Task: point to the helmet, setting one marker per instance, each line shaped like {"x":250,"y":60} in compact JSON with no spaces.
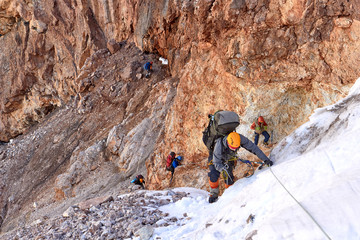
{"x":151,"y":62}
{"x":180,"y":158}
{"x":261,"y":119}
{"x":172,"y":154}
{"x":140,"y":176}
{"x":233,"y":140}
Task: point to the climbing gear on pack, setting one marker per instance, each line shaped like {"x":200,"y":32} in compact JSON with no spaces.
{"x":233,"y":140}
{"x":251,"y":170}
{"x":220,"y":124}
{"x":175,"y":163}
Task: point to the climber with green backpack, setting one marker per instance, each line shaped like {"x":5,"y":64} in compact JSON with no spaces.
{"x":223,"y":141}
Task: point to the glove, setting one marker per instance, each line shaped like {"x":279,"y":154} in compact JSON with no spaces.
{"x":268,"y":162}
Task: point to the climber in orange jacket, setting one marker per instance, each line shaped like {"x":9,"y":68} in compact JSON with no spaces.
{"x":260,"y":127}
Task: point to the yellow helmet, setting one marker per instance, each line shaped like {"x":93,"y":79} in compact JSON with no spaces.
{"x":233,"y":140}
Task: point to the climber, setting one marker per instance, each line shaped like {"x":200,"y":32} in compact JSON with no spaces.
{"x":139,"y":180}
{"x":169,"y":160}
{"x":148,"y":68}
{"x":260,"y":127}
{"x":172,"y":162}
{"x":223,"y":159}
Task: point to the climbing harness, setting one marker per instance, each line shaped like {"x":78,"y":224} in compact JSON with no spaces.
{"x":307,"y":212}
{"x":226,"y":174}
{"x":251,"y":170}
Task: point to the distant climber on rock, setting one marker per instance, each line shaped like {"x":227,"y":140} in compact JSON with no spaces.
{"x":260,"y":127}
{"x":172,"y":162}
{"x":148,"y":68}
{"x":223,"y":159}
{"x":139,"y":180}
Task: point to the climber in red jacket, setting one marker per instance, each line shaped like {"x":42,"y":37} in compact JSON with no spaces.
{"x":260,"y":127}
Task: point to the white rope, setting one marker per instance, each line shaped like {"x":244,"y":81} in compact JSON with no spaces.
{"x":307,"y":212}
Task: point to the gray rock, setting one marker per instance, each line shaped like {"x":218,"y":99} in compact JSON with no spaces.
{"x":145,"y":232}
{"x":136,"y":214}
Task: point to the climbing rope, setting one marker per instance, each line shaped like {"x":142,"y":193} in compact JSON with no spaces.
{"x":307,"y":212}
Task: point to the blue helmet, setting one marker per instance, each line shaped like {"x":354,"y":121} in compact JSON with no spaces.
{"x":179,"y":158}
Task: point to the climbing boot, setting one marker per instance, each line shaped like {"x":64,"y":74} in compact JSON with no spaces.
{"x":213,"y":198}
{"x":214,"y":194}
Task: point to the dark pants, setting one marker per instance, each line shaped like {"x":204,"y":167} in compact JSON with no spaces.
{"x":171,"y":169}
{"x":215,"y":174}
{"x":266,"y":135}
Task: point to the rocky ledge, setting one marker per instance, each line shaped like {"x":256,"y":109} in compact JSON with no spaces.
{"x":126,"y":216}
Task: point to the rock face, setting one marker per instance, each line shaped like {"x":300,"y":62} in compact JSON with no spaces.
{"x":90,"y":146}
{"x":271,"y":58}
{"x":77,"y":116}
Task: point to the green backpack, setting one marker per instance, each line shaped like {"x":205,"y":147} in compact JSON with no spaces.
{"x":220,"y":124}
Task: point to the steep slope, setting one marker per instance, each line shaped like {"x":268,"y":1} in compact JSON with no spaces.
{"x":91,"y":145}
{"x":67,"y":105}
{"x":312,"y":192}
{"x":317,"y":164}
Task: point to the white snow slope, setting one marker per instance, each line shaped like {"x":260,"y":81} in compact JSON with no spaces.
{"x":318,"y":164}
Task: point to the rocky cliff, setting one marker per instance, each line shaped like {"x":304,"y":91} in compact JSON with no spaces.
{"x":78,"y":117}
